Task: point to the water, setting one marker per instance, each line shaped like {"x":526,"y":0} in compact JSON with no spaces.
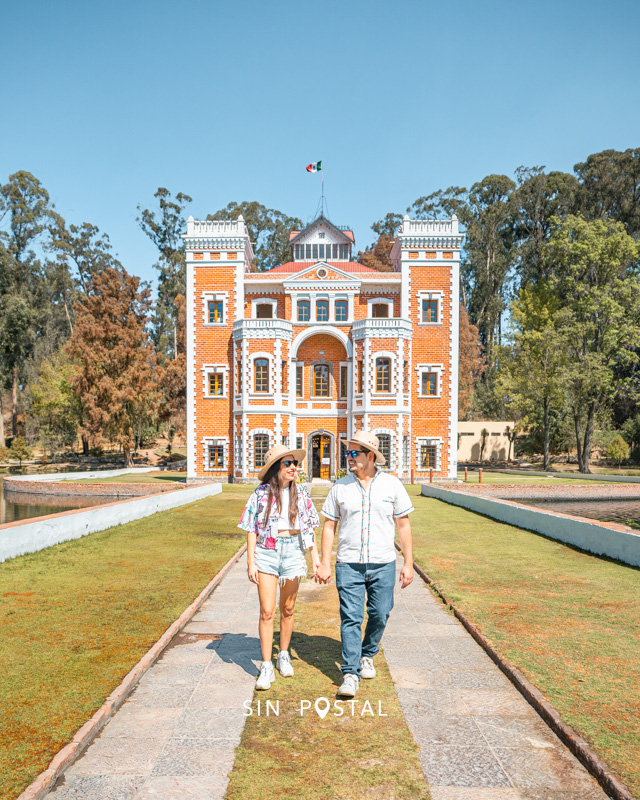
{"x":15,"y":506}
{"x":624,"y":512}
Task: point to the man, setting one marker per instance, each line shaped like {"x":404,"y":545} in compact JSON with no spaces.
{"x":365,"y":503}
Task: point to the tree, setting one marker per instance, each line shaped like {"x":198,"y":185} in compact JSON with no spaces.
{"x":484,"y":434}
{"x":172,"y":372}
{"x":269,"y":231}
{"x":596,"y":280}
{"x":19,"y":450}
{"x":54,"y":407}
{"x":618,"y":450}
{"x":165,"y":228}
{"x":115,"y":381}
{"x":376,"y":256}
{"x":470,"y":363}
{"x":610,"y":187}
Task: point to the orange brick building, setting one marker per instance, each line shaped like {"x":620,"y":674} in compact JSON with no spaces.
{"x":319,"y":347}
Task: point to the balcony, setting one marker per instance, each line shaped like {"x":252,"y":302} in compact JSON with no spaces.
{"x":381,"y":328}
{"x":262,"y":329}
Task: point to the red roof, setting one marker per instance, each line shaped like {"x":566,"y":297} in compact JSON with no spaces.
{"x":345,"y":266}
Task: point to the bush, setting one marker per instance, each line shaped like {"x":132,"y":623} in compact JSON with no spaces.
{"x":618,"y":450}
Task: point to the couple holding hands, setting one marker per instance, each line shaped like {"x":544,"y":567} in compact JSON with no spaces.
{"x":280,"y":520}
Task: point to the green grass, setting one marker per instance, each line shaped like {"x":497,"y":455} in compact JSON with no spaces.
{"x":77,"y":617}
{"x":569,"y":621}
{"x":499,"y":477}
{"x":144,"y":477}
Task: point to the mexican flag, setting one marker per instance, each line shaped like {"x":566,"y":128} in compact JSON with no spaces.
{"x":316,"y":167}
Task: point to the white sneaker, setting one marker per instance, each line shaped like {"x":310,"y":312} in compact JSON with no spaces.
{"x":367,"y":670}
{"x":349,"y":686}
{"x":283,"y":664}
{"x":266,"y":677}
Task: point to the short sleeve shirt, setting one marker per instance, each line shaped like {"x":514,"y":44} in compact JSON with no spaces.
{"x":367,"y":517}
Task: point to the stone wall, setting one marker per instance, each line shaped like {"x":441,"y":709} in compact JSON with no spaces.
{"x":69,"y":489}
{"x":536,"y":491}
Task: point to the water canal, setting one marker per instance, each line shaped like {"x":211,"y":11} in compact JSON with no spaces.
{"x":624,"y":512}
{"x":20,"y":505}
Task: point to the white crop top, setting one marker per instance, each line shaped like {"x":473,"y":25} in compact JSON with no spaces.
{"x":283,"y":522}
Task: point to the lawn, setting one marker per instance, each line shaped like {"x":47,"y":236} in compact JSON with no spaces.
{"x":499,"y":477}
{"x":78,"y":616}
{"x":143,"y":477}
{"x":568,"y":620}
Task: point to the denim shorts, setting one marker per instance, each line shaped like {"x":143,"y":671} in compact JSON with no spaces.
{"x":287,"y":561}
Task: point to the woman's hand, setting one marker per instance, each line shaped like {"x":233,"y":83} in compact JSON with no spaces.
{"x":254,"y":575}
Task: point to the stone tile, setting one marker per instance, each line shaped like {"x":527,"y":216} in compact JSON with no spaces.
{"x":438,"y":631}
{"x":455,"y":730}
{"x":96,"y":787}
{"x":207,"y":626}
{"x":433,"y":702}
{"x":466,"y":793}
{"x":210,"y":723}
{"x":544,"y":769}
{"x":175,"y":674}
{"x":420,"y":678}
{"x":486,"y":702}
{"x":183,"y":788}
{"x":524,"y":731}
{"x":461,"y":766}
{"x":479,"y":679}
{"x":231,"y":696}
{"x":154,"y":696}
{"x":223,"y":674}
{"x":426,"y":659}
{"x":124,"y":755}
{"x":595,"y":793}
{"x":141,"y":722}
{"x":195,"y":757}
{"x":185,"y":654}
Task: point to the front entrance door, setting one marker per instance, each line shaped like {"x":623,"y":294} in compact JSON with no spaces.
{"x":321,"y":457}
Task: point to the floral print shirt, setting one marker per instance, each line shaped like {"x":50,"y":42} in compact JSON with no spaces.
{"x":253,"y":517}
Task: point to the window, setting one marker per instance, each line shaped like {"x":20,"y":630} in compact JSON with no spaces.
{"x":215,"y":312}
{"x":298,"y":252}
{"x":321,"y":380}
{"x":380,"y":311}
{"x":343,"y":380}
{"x":405,"y":451}
{"x":264,"y":311}
{"x":260,"y":449}
{"x":343,"y":455}
{"x":304,"y":310}
{"x":314,"y":250}
{"x":405,"y":376}
{"x":383,"y":374}
{"x":341,"y":311}
{"x":429,"y":384}
{"x":261,"y":373}
{"x":216,"y":384}
{"x":344,"y":252}
{"x":322,"y":310}
{"x":360,"y":377}
{"x":298,"y":442}
{"x":335,"y":252}
{"x":239,"y":377}
{"x":216,"y":455}
{"x":429,"y":310}
{"x":299,"y":381}
{"x":384,"y":441}
{"x":427,"y":455}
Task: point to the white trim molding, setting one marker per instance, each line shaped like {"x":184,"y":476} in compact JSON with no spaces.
{"x":433,"y":441}
{"x":208,"y":369}
{"x":430,"y":295}
{"x":254,"y":432}
{"x":210,"y":297}
{"x":438,"y":369}
{"x":264,"y":301}
{"x":380,"y":301}
{"x":215,"y":441}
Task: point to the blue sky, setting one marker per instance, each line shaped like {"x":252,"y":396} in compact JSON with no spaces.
{"x":229,"y":101}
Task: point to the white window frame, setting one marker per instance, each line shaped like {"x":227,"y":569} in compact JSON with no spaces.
{"x":343,"y":397}
{"x":252,"y":433}
{"x":252,"y":375}
{"x":307,"y":299}
{"x":439,"y":370}
{"x":374,"y":357}
{"x":391,"y":464}
{"x":208,"y":297}
{"x":312,"y":368}
{"x":380,"y":301}
{"x":215,"y":440}
{"x":429,"y":440}
{"x":264,"y":301}
{"x":207,"y":369}
{"x":323,"y":298}
{"x":343,"y":298}
{"x":428,"y":295}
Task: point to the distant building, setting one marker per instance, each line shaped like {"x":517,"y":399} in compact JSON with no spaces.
{"x":319,"y":347}
{"x":496,"y":441}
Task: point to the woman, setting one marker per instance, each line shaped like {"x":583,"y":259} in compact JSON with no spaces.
{"x":279,"y":519}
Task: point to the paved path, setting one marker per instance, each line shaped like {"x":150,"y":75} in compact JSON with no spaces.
{"x":175,"y":738}
{"x":479,"y":739}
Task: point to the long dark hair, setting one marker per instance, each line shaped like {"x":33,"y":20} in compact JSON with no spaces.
{"x":271,"y":480}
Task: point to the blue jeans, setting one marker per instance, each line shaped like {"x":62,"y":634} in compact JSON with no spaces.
{"x":353,"y":582}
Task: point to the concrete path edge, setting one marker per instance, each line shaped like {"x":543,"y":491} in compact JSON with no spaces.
{"x":589,"y":759}
{"x":88,"y":732}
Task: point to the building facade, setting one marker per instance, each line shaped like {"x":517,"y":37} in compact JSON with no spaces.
{"x":317,"y":348}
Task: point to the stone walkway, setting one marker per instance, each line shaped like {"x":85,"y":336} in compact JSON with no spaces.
{"x":175,"y":738}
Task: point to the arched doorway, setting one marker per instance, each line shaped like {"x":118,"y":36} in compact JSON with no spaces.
{"x":321,"y":456}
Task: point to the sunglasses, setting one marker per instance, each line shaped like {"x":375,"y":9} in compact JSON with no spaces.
{"x":354,"y":453}
{"x":289,"y":461}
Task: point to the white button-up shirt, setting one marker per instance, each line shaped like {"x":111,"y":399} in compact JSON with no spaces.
{"x":367,"y":517}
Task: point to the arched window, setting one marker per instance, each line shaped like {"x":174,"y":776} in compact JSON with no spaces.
{"x":380,"y":310}
{"x":384,"y":441}
{"x":260,"y":448}
{"x":341,"y":311}
{"x":261,"y":375}
{"x":322,"y":310}
{"x":383,"y":374}
{"x":264,"y":311}
{"x":304,"y":310}
{"x":321,"y":380}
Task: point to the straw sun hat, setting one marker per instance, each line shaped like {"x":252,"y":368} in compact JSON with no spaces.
{"x":368,"y":440}
{"x":276,"y":453}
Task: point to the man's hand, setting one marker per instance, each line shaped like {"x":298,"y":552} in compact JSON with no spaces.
{"x":323,"y":573}
{"x":406,"y":575}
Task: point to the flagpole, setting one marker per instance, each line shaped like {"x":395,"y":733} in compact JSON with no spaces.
{"x":322,"y":199}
